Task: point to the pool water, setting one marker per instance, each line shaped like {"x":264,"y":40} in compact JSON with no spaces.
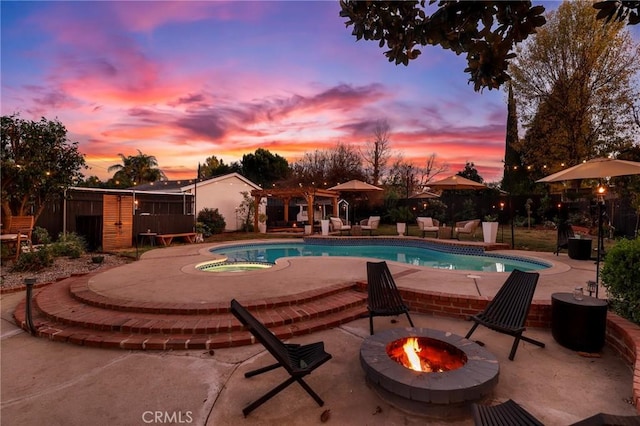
{"x":419,"y":256}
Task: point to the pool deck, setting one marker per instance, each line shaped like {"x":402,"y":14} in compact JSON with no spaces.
{"x":51,"y":382}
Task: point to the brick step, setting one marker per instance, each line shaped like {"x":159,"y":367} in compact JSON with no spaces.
{"x":61,"y":332}
{"x":80,"y":290}
{"x":56,"y":304}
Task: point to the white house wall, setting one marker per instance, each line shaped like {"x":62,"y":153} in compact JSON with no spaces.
{"x":225,"y":195}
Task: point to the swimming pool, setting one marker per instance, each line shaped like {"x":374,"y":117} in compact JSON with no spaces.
{"x":413,"y":252}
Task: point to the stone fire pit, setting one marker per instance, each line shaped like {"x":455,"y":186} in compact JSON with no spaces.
{"x":445,"y":394}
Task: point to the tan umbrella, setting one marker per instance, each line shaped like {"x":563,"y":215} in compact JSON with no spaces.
{"x":456,"y":182}
{"x":595,"y":169}
{"x":355,"y":185}
{"x":424,"y":195}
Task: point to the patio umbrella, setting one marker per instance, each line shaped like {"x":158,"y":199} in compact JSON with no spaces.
{"x":425,"y":195}
{"x":596,"y":168}
{"x":355,"y":186}
{"x":456,"y":182}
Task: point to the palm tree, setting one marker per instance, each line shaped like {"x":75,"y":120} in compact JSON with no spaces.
{"x":136,"y":170}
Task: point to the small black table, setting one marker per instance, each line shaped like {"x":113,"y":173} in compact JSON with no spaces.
{"x":151,"y":236}
{"x":578,"y":324}
{"x":579,"y":248}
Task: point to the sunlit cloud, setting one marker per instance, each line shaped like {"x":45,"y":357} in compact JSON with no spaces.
{"x":183,"y":81}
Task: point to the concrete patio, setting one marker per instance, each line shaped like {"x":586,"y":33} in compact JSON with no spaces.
{"x":47,"y":382}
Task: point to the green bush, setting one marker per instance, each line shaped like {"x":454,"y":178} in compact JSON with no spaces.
{"x":621,"y":278}
{"x":70,"y":244}
{"x":213,"y":221}
{"x":41,"y":236}
{"x":34,"y":261}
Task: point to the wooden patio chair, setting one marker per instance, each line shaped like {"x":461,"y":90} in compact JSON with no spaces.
{"x":565,"y":231}
{"x":507,"y":311}
{"x":508,"y":413}
{"x":384,"y":298}
{"x":298,"y":360}
{"x":21,"y":227}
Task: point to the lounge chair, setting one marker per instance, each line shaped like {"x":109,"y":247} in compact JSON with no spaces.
{"x":428,"y":224}
{"x":565,"y":231}
{"x":507,"y":311}
{"x":298,"y":360}
{"x":337,"y":225}
{"x":370,"y":224}
{"x":384,"y":298}
{"x":468,"y":227}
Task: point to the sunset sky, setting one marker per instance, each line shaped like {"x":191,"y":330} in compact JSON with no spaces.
{"x":186,"y":80}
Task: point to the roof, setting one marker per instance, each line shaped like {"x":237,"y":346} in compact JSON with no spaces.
{"x":187,"y":185}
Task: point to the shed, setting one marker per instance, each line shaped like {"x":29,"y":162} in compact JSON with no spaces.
{"x":112,"y":218}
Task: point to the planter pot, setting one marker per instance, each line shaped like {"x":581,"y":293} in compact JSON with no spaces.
{"x":324,"y":224}
{"x":262,"y":227}
{"x":489,"y":231}
{"x":401,"y":227}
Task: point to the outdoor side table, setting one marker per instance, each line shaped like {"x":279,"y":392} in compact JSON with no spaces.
{"x":445,"y":232}
{"x":578,"y":324}
{"x":579,"y":248}
{"x":356,"y":230}
{"x":151,"y":236}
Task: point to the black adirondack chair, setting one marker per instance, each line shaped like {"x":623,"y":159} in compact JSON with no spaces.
{"x":298,"y":360}
{"x":508,"y":413}
{"x":508,"y":310}
{"x":384,"y":298}
{"x":565,"y":231}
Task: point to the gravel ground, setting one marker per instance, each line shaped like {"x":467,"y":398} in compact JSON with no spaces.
{"x":62,"y":268}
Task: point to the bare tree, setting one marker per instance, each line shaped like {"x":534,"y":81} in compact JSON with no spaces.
{"x":432,"y":169}
{"x":377,"y":152}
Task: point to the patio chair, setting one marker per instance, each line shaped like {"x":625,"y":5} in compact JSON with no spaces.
{"x":18,"y":232}
{"x":384,"y":298}
{"x":602,"y":419}
{"x":507,"y":413}
{"x":565,"y":231}
{"x":298,"y":360}
{"x":468,"y":227}
{"x":507,"y":311}
{"x":370,"y":224}
{"x":337,"y":225}
{"x":428,"y":224}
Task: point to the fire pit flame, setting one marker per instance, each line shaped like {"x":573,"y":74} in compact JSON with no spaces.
{"x":412,"y":349}
{"x":426,"y":355}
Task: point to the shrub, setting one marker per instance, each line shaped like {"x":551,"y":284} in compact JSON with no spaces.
{"x":41,"y":236}
{"x":34,"y":261}
{"x":621,"y":278}
{"x":212,"y":220}
{"x":70,"y":244}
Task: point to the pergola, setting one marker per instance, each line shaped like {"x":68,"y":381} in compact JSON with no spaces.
{"x":310,"y":194}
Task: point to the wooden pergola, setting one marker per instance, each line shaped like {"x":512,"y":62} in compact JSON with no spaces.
{"x":309,"y":194}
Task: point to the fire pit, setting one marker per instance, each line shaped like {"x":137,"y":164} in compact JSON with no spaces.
{"x":428,"y":372}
